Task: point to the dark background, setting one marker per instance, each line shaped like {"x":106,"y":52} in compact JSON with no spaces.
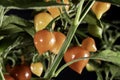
{"x":69,"y":74}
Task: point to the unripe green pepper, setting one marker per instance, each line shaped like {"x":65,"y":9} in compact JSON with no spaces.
{"x":89,"y":67}
{"x":95,"y":30}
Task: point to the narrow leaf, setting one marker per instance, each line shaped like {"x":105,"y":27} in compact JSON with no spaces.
{"x":19,"y":23}
{"x":15,"y":20}
{"x":10,"y":29}
{"x":110,"y":56}
{"x":24,"y":4}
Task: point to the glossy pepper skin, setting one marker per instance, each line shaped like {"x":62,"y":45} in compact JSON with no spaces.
{"x":99,"y":8}
{"x":89,"y":44}
{"x":36,"y":68}
{"x":44,"y":41}
{"x":8,"y":77}
{"x":60,"y":38}
{"x":83,"y":51}
{"x":41,"y":20}
{"x":75,"y":53}
{"x":56,"y":11}
{"x":21,"y":72}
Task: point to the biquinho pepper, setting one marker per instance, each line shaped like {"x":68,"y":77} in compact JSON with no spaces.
{"x":99,"y":8}
{"x":88,"y":45}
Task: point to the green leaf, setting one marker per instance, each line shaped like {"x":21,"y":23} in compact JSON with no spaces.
{"x":91,"y":18}
{"x":99,"y":76}
{"x":109,"y":56}
{"x":5,"y":43}
{"x":1,"y":37}
{"x":28,"y":4}
{"x":114,"y":70}
{"x":10,"y":29}
{"x":14,"y":24}
{"x":1,"y":74}
{"x":12,"y":19}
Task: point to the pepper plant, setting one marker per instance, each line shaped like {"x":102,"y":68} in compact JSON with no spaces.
{"x":73,"y":24}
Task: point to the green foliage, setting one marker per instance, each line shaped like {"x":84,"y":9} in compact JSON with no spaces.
{"x":13,"y":24}
{"x":29,"y":4}
{"x":109,"y":56}
{"x":16,"y":35}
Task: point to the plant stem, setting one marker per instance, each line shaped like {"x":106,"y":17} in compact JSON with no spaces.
{"x":76,"y":39}
{"x":50,"y":73}
{"x":69,"y":63}
{"x":1,"y":74}
{"x":58,"y":58}
{"x":1,"y":15}
{"x":76,"y":60}
{"x":16,"y":43}
{"x":78,"y":14}
{"x":86,"y":10}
